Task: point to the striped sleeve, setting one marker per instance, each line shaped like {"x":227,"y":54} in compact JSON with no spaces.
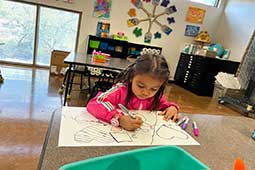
{"x":104,"y":105}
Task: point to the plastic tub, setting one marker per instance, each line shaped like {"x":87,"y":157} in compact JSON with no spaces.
{"x":153,"y":158}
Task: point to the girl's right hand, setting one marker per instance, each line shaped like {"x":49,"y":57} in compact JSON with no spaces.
{"x":130,"y":124}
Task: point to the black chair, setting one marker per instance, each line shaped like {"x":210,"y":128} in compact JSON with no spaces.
{"x":83,"y":71}
{"x":105,"y":81}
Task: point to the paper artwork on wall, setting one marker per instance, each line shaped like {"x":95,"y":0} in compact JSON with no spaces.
{"x":191,"y":30}
{"x":137,"y":32}
{"x":103,"y":29}
{"x":132,"y":12}
{"x":152,"y":17}
{"x":102,"y":8}
{"x":195,"y":15}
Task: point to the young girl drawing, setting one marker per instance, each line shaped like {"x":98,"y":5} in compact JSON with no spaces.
{"x":140,"y":87}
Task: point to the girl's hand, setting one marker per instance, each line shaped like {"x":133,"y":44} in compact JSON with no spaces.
{"x":130,"y":124}
{"x":170,"y":113}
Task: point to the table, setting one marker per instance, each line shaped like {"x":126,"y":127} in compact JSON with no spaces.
{"x":222,"y":139}
{"x":74,"y":59}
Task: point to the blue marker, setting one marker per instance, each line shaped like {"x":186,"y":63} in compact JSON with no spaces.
{"x":253,"y":134}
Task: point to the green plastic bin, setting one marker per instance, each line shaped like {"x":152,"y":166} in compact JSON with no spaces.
{"x":153,"y":158}
{"x":94,"y":44}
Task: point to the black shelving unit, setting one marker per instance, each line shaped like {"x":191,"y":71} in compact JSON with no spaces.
{"x":135,"y":50}
{"x":197,"y":73}
{"x":116,"y":48}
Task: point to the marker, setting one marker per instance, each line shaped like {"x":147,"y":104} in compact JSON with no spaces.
{"x":253,"y":134}
{"x":195,"y":128}
{"x":181,"y":120}
{"x":185,"y":124}
{"x":125,"y":110}
{"x":239,"y":164}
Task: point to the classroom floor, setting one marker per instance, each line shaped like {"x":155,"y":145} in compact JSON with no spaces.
{"x":28,"y":97}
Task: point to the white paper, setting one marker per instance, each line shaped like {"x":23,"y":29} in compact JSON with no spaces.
{"x":79,"y":128}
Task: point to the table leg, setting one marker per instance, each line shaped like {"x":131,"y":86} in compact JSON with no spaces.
{"x":67,"y":82}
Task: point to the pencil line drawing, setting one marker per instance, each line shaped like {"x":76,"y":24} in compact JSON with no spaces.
{"x":169,"y":133}
{"x":90,"y":133}
{"x":79,"y":128}
{"x":121,"y":136}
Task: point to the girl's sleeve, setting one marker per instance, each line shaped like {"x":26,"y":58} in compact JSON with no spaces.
{"x":165,"y":104}
{"x":104,"y":105}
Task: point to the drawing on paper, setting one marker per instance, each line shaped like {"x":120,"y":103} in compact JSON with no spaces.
{"x":79,"y":128}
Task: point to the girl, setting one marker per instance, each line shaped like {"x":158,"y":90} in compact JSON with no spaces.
{"x":140,"y":87}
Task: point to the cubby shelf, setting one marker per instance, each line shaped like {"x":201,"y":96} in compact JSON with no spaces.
{"x":116,"y":48}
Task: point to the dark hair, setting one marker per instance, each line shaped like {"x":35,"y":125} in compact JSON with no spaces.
{"x":153,"y":64}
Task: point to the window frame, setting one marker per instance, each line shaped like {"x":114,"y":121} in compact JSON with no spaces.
{"x":216,"y":3}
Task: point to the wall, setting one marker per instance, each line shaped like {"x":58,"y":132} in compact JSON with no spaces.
{"x":171,"y":44}
{"x":236,"y":27}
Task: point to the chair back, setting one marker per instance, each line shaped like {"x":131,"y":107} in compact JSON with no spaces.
{"x":108,"y":76}
{"x":106,"y":81}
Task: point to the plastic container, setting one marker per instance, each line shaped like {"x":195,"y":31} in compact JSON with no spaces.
{"x":153,"y":158}
{"x":218,"y":91}
{"x":94,"y":44}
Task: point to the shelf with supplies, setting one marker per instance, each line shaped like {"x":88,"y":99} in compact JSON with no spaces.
{"x":197,"y":73}
{"x":136,"y":49}
{"x":117,"y":48}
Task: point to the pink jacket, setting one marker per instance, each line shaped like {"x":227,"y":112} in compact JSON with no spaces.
{"x":104,"y":105}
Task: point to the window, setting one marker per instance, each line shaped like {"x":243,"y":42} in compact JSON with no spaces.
{"x":29,"y":32}
{"x":17,"y":27}
{"x":214,"y":3}
{"x":57,"y":30}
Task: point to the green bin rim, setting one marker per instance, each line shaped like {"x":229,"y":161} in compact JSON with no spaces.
{"x":129,"y":152}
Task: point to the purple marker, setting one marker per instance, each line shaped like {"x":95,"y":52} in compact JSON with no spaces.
{"x":195,"y":128}
{"x":185,"y":124}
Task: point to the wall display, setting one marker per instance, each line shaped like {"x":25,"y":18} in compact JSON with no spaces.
{"x":138,"y":32}
{"x":152,"y":17}
{"x":195,"y":15}
{"x":103,"y":29}
{"x":102,"y":8}
{"x":132,"y":12}
{"x":191,"y":30}
{"x":157,"y":35}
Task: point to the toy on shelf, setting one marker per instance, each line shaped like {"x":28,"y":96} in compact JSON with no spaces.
{"x":120,"y":36}
{"x":217,"y":48}
{"x":100,"y":57}
{"x":203,"y":37}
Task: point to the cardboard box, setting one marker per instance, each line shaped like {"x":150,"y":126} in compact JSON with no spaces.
{"x":57,"y":61}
